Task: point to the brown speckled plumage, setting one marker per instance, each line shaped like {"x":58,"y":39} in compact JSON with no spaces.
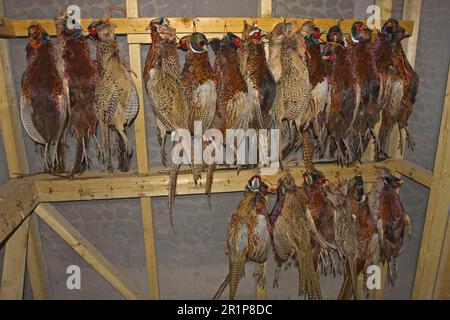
{"x":293,"y":230}
{"x":345,"y":228}
{"x":366,"y":234}
{"x":166,"y":92}
{"x":248,"y":235}
{"x":116,"y":99}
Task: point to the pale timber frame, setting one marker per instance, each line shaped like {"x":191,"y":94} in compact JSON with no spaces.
{"x":22,"y":199}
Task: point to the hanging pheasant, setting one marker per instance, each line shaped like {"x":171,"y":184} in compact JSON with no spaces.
{"x":116,"y":99}
{"x":163,"y":81}
{"x":293,"y":232}
{"x":318,"y":79}
{"x":363,"y":69}
{"x":294,"y":92}
{"x":237,"y":102}
{"x":366,"y":234}
{"x":399,"y":84}
{"x":198,"y":80}
{"x":322,"y":212}
{"x":393,"y":225}
{"x":199,"y":86}
{"x":343,"y":95}
{"x":255,"y":69}
{"x":248,"y":235}
{"x":80,"y":74}
{"x":166,"y":91}
{"x":45,"y":98}
{"x":345,"y":228}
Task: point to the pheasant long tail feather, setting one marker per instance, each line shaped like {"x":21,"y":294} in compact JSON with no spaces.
{"x":236,"y":268}
{"x":352,"y":274}
{"x":173,"y":176}
{"x":222,"y":287}
{"x":307,"y":151}
{"x":209,"y":181}
{"x":80,"y":161}
{"x":346,"y":290}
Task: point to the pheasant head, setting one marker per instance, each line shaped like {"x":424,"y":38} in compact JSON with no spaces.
{"x":37,"y":36}
{"x":232,"y":40}
{"x":63,"y":29}
{"x":252,"y":33}
{"x":356,"y":188}
{"x":393,"y":31}
{"x":257,"y":185}
{"x":360,"y":33}
{"x":102,"y":30}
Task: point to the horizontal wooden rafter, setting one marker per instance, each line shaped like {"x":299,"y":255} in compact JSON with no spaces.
{"x":18,"y":198}
{"x":414,"y":172}
{"x":184,"y":24}
{"x":7,"y":28}
{"x":113,"y":186}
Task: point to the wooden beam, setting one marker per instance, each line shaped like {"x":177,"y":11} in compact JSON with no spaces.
{"x":184,"y":24}
{"x":442,"y":290}
{"x":94,"y":186}
{"x":36,"y":265}
{"x":142,"y":160}
{"x":386,"y":13}
{"x":13,"y":274}
{"x":437,"y":211}
{"x":18,"y":198}
{"x":6,"y":28}
{"x":264,"y":10}
{"x":414,"y":172}
{"x":87,"y":251}
{"x":385,"y":7}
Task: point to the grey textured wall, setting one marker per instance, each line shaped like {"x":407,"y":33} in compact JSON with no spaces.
{"x":432,"y":61}
{"x":313,"y":8}
{"x":191,"y":260}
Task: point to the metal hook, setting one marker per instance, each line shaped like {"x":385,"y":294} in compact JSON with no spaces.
{"x":194,"y":24}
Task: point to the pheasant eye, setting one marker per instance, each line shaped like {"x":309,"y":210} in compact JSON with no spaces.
{"x":92,"y":31}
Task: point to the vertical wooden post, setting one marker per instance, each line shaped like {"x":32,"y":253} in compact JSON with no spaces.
{"x":142,"y":161}
{"x":378,"y":294}
{"x":437,"y":211}
{"x":386,"y":8}
{"x":442,"y":288}
{"x":14,"y":264}
{"x":264,"y":10}
{"x":16,"y":247}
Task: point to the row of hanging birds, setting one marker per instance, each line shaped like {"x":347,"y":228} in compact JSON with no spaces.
{"x":325,"y":227}
{"x":322,"y":95}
